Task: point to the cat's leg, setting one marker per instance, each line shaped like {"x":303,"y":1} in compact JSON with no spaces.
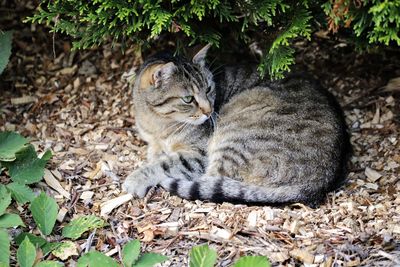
{"x":181,"y":166}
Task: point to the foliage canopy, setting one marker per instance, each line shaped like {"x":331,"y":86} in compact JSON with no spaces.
{"x":273,"y":24}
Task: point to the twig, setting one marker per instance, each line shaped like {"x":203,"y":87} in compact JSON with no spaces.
{"x":95,"y":187}
{"x":89,"y":241}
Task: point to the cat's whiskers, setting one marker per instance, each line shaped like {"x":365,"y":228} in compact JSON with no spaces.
{"x":180,"y":128}
{"x":173,"y":125}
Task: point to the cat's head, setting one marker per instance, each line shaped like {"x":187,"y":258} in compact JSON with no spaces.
{"x":178,"y":89}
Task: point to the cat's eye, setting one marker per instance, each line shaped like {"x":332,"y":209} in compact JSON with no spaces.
{"x":188,"y":99}
{"x":208,"y":89}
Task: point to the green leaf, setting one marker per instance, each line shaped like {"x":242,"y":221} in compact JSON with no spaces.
{"x":49,"y":247}
{"x":4,"y":247}
{"x":10,"y":220}
{"x":44,"y":211}
{"x":150,"y":259}
{"x":27,"y":168}
{"x":130,"y":253}
{"x":5,"y":199}
{"x":78,"y":226}
{"x":21,"y":193}
{"x":49,"y":264}
{"x":5,"y":49}
{"x":26,"y":253}
{"x":96,"y":259}
{"x":37,"y":241}
{"x":202,"y":256}
{"x":253,"y":261}
{"x":10,"y":142}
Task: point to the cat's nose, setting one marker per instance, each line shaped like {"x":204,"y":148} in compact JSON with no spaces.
{"x":206,"y":111}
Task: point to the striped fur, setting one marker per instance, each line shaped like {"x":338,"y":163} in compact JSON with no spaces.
{"x":272,"y":142}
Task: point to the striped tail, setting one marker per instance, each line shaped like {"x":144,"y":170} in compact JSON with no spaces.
{"x":221,"y":189}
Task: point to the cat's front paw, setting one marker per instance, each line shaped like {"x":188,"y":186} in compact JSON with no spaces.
{"x":137,"y":184}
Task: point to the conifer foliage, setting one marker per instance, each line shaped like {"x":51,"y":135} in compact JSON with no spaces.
{"x":273,"y":24}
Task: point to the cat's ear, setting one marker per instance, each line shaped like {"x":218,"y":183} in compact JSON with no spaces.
{"x":155,"y":74}
{"x":164,"y":72}
{"x":200,"y":57}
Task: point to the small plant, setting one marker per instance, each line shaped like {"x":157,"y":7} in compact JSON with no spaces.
{"x":5,"y":49}
{"x":24,"y":167}
{"x":130,"y":257}
{"x":203,"y":256}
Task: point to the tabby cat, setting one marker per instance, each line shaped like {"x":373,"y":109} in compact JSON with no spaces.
{"x":236,"y":137}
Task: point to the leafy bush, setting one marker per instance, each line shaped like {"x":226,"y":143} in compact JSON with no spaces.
{"x":274,"y":24}
{"x":372,"y":21}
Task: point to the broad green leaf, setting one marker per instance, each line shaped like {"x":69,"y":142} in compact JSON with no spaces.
{"x":96,"y":259}
{"x":10,"y":220}
{"x":37,"y":241}
{"x":130,"y":253}
{"x":49,"y":264}
{"x":150,"y":259}
{"x":49,"y":247}
{"x":10,"y":143}
{"x":5,"y":199}
{"x":253,"y":261}
{"x":65,"y":250}
{"x":5,"y":49}
{"x":26,"y":253}
{"x":202,"y":256}
{"x":78,"y":226}
{"x":44,"y":211}
{"x":27,"y":168}
{"x":4,"y":247}
{"x":21,"y":193}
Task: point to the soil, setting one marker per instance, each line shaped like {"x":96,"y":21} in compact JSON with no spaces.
{"x":78,"y":105}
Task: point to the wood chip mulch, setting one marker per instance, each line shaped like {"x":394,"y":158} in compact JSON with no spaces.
{"x":79,"y":106}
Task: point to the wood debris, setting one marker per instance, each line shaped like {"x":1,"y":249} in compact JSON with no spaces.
{"x":78,"y":106}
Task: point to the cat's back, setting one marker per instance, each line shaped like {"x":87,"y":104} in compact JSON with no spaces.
{"x":283,"y":133}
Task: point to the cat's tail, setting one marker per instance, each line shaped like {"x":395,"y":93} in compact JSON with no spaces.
{"x":221,"y":189}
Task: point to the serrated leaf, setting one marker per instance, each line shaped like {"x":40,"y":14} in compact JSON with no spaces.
{"x":78,"y":226}
{"x":65,"y":250}
{"x":10,"y":220}
{"x":5,"y":49}
{"x":253,"y":261}
{"x":37,"y":241}
{"x":26,"y":253}
{"x":10,"y":143}
{"x":21,"y":193}
{"x":44,"y":211}
{"x":49,"y":247}
{"x":5,"y":199}
{"x":96,"y":259}
{"x":4,"y":247}
{"x":27,"y":168}
{"x":49,"y":264}
{"x":202,"y":256}
{"x":150,"y":259}
{"x":130,"y":253}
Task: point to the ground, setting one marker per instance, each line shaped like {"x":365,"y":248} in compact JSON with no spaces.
{"x":78,"y":105}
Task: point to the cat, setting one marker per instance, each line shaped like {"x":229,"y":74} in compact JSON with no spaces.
{"x":234,"y":136}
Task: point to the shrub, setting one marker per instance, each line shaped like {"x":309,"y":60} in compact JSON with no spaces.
{"x":274,"y":24}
